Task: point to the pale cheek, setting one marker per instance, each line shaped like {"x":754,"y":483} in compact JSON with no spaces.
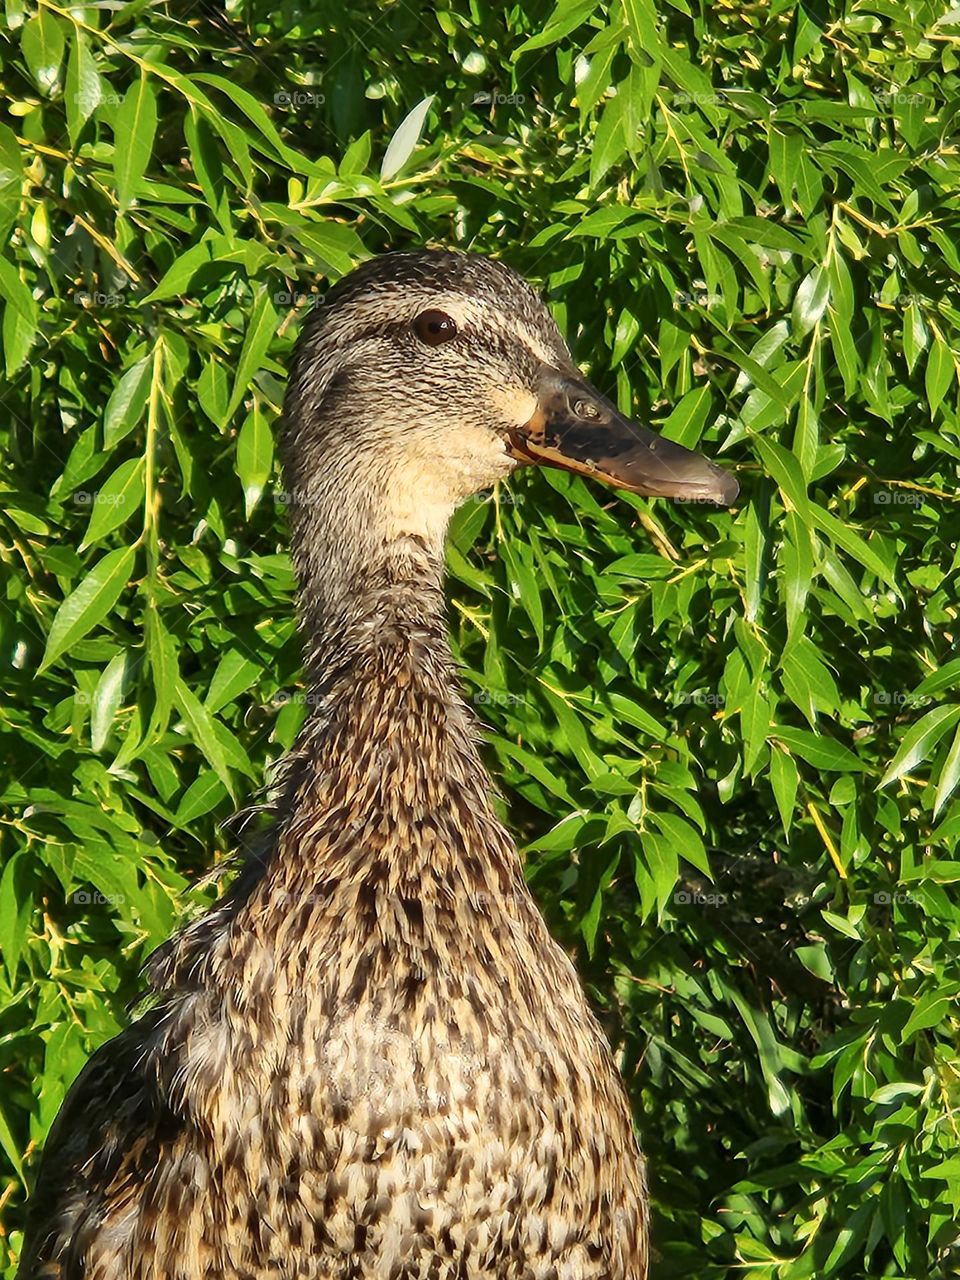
{"x":424,"y":491}
{"x":514,"y":406}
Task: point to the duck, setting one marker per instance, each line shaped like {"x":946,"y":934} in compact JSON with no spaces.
{"x":369,"y":1060}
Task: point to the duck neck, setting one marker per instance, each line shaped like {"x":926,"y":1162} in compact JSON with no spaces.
{"x":386,"y":779}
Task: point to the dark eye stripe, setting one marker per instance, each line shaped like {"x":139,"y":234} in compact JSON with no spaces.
{"x":509,"y":347}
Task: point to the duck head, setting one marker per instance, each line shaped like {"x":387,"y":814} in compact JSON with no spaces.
{"x":422,"y":378}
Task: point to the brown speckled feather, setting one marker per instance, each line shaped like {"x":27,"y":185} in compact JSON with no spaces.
{"x":369,"y":1061}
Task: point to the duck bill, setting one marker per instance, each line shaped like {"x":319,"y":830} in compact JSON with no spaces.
{"x":577,"y":429}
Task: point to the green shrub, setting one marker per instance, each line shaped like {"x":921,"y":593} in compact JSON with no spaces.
{"x":729,"y":741}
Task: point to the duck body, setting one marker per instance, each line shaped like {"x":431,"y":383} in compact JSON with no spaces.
{"x":369,"y":1060}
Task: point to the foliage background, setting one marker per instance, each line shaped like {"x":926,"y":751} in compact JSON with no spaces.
{"x":729,"y":741}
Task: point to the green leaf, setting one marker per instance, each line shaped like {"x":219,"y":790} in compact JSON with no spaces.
{"x":259,"y":335}
{"x":566,"y":17}
{"x":42,"y":43}
{"x":919,"y":741}
{"x":107,"y":698}
{"x":931,"y":1009}
{"x":90,"y":603}
{"x":817,"y":749}
{"x":401,"y":145}
{"x":116,"y":501}
{"x":124,"y":409}
{"x":941,"y":371}
{"x":202,"y":730}
{"x":685,"y":840}
{"x":134,"y":131}
{"x":254,"y":457}
{"x":164,"y":667}
{"x":84,"y":90}
{"x":784,"y":778}
{"x":203,"y":794}
{"x":851,"y":542}
{"x":811,"y":300}
{"x":235,"y":674}
{"x":19,"y":317}
{"x":16,"y":908}
{"x":949,"y":776}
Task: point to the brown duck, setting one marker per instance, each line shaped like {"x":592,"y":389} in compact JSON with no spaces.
{"x":370,"y":1061}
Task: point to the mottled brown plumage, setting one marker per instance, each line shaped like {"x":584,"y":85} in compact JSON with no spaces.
{"x":370,"y":1061}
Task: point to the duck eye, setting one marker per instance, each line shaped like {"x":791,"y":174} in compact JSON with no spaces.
{"x":434,"y":327}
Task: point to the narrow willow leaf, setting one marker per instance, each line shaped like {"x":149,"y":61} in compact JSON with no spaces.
{"x":42,"y":44}
{"x":203,"y":794}
{"x":235,"y":674}
{"x":685,"y":424}
{"x":939,"y":374}
{"x":127,"y":402}
{"x":919,"y":741}
{"x":401,"y":145}
{"x":685,"y":839}
{"x":10,"y":1145}
{"x":84,"y":91}
{"x":806,"y":440}
{"x":662,"y":863}
{"x":259,"y":335}
{"x":19,"y":317}
{"x":135,"y":130}
{"x":164,"y":668}
{"x":754,"y":548}
{"x":16,"y":906}
{"x":785,"y":469}
{"x":200,"y":723}
{"x":784,"y":778}
{"x":116,"y":501}
{"x":90,"y":603}
{"x":817,"y":749}
{"x":852,"y":543}
{"x":205,"y":156}
{"x":811,"y":300}
{"x":930,"y":1010}
{"x":949,"y":776}
{"x":755,"y":724}
{"x":254,"y":457}
{"x":566,"y":17}
{"x":845,"y":350}
{"x":107,"y":698}
{"x":842,"y":299}
{"x":915,"y":335}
